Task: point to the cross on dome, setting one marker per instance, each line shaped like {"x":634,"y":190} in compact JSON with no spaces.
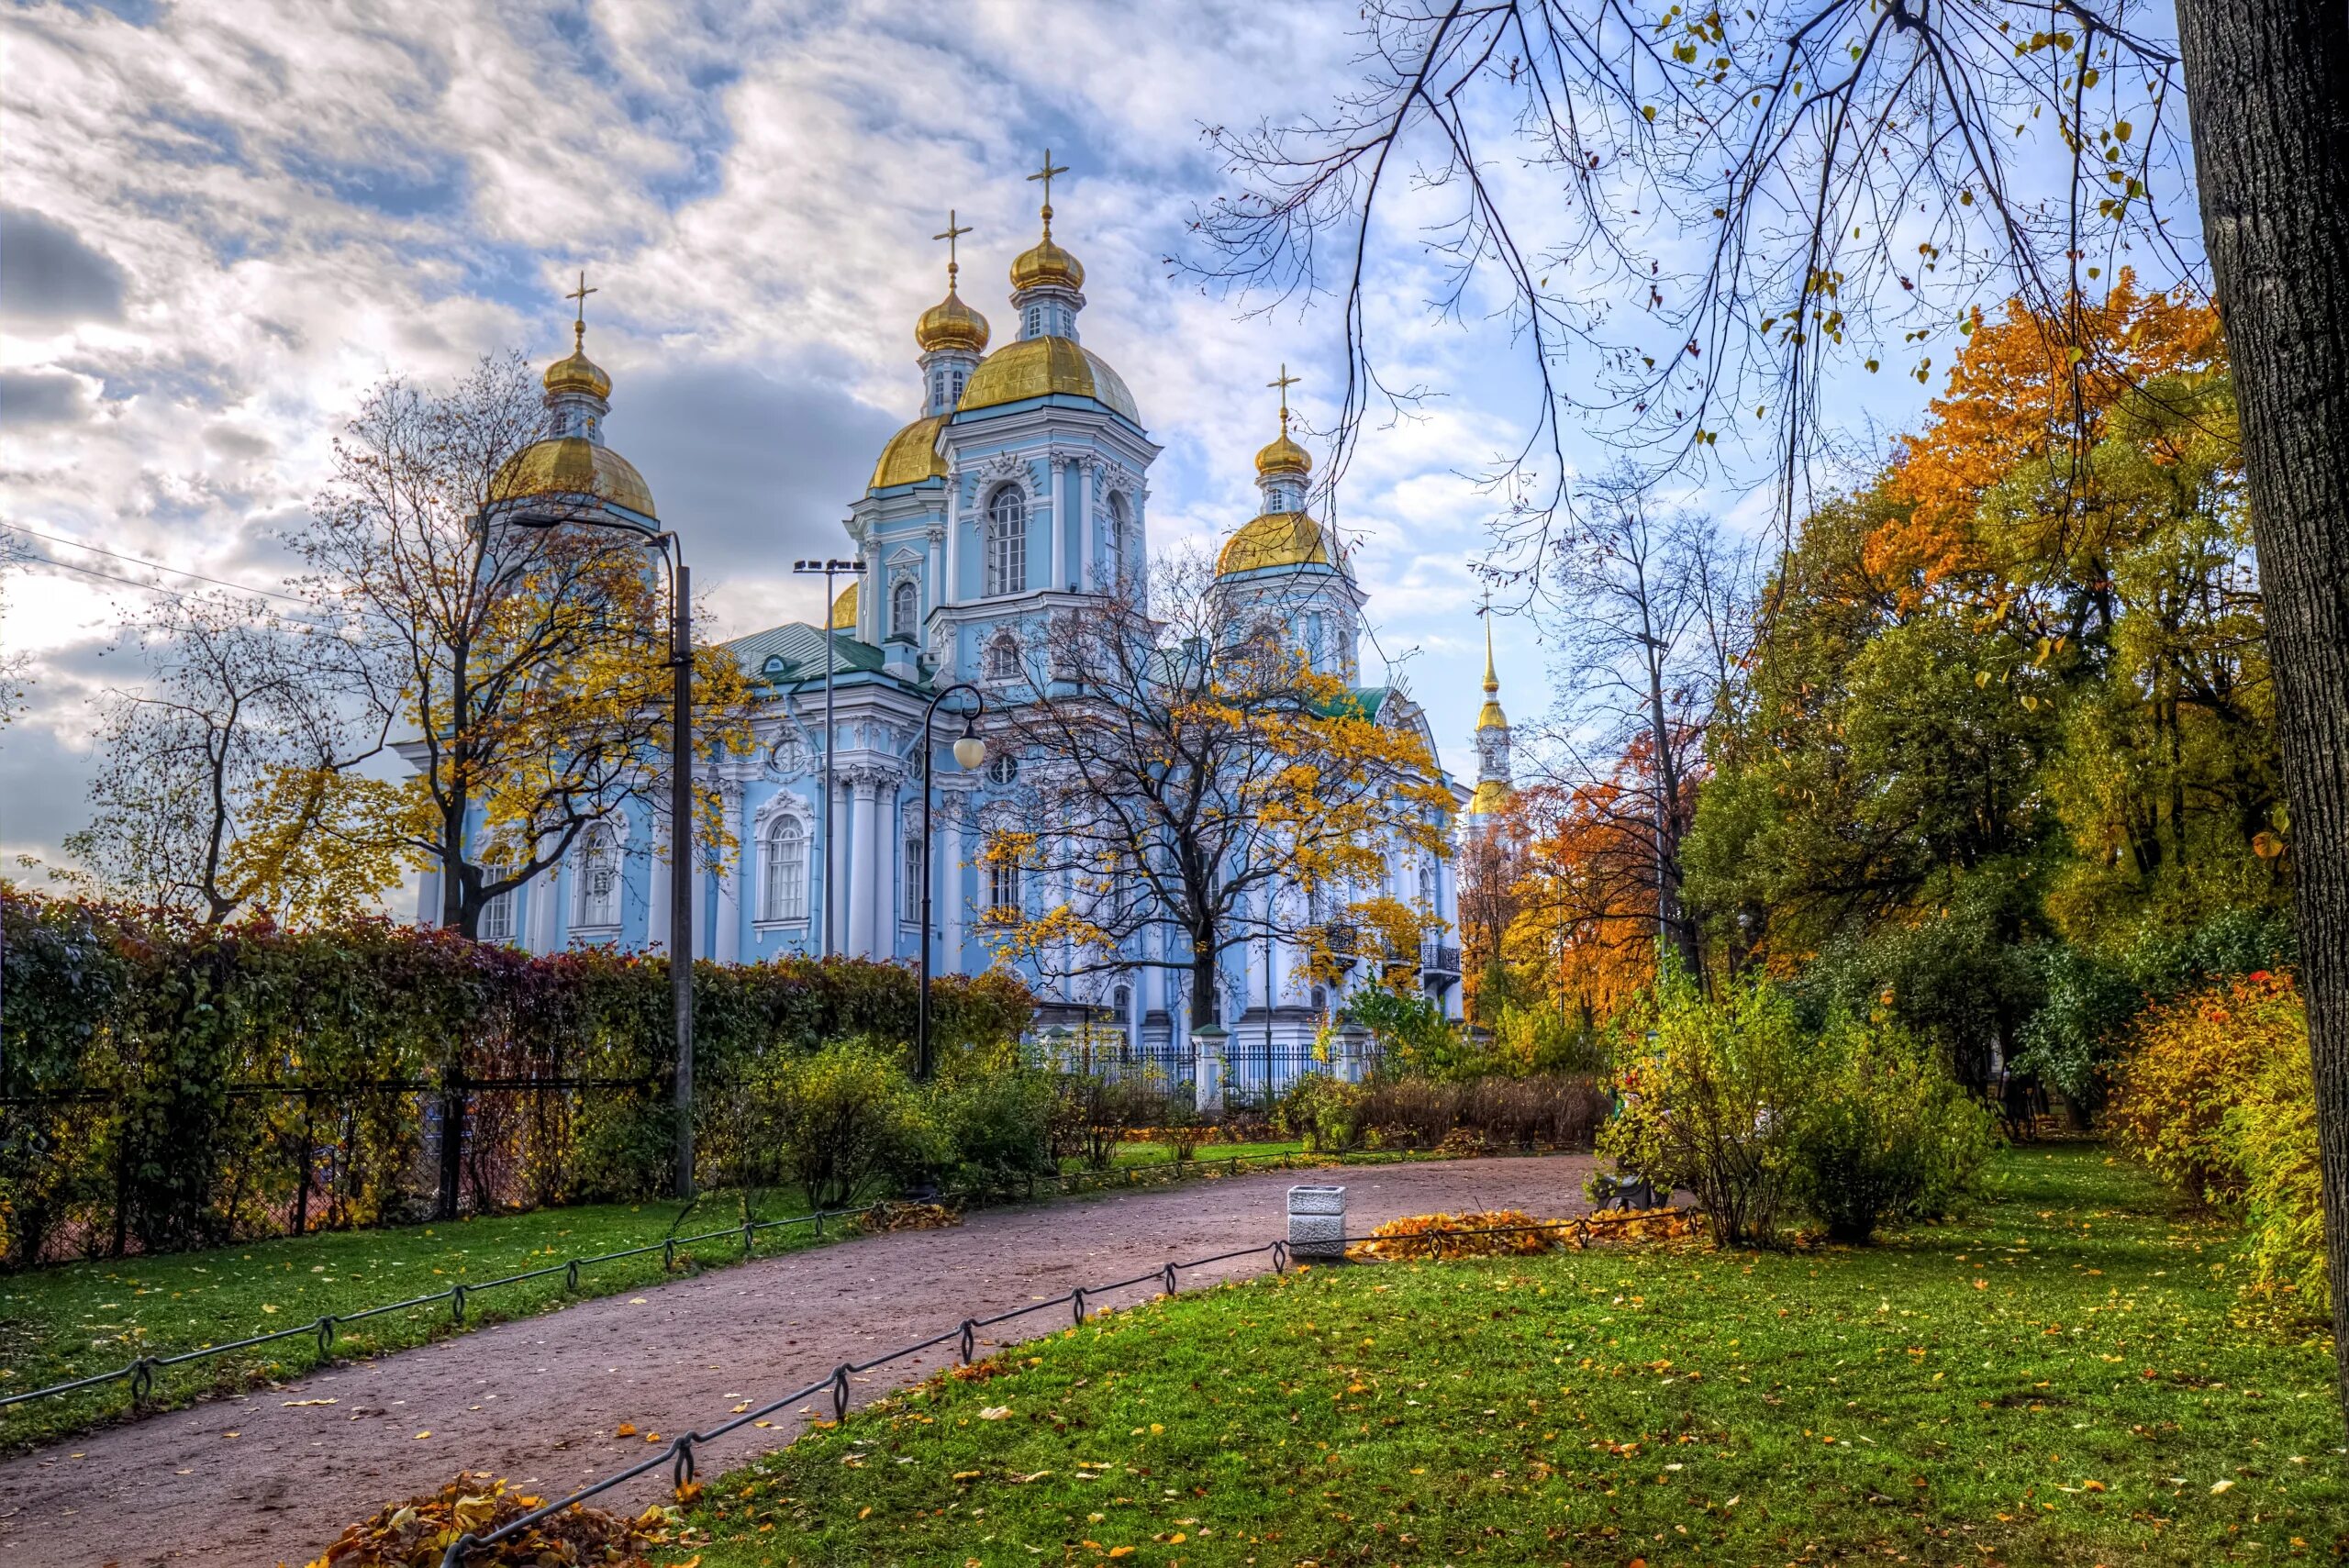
{"x":1045,"y":174}
{"x":952,"y":233}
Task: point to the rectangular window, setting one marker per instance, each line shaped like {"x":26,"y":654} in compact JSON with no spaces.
{"x":497,"y":919}
{"x":1003,"y":884}
{"x":911,"y":877}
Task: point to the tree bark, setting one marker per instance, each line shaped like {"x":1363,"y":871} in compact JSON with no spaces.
{"x":2268,"y":86}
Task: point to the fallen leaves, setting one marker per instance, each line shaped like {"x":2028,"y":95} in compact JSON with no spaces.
{"x":416,"y":1531}
{"x":889,"y":1216}
{"x":995,"y":1412}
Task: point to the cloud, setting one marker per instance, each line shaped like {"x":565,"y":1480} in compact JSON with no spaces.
{"x":39,"y":397}
{"x":49,"y":275}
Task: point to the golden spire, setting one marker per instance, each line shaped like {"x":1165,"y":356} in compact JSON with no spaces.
{"x":950,"y":324}
{"x":1491,"y":718}
{"x":1284,"y":455}
{"x":578,"y":372}
{"x":1046,"y":264}
{"x":1491,"y":681}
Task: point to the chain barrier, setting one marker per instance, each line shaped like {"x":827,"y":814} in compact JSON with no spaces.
{"x":681,"y":1454}
{"x":140,"y":1374}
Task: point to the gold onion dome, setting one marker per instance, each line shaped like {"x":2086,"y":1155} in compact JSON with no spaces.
{"x":950,"y":324}
{"x":844,"y":609}
{"x":1046,"y":265}
{"x":1038,"y":367}
{"x":1274,"y":540}
{"x":578,"y":372}
{"x":911,"y":456}
{"x":1284,"y":456}
{"x":573,"y":466}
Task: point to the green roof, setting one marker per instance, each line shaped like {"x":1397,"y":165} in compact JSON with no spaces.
{"x":794,"y":652}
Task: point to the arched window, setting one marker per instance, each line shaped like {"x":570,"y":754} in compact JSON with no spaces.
{"x":904,"y":608}
{"x":1427,"y":885}
{"x":912,"y":875}
{"x":1006,"y":541}
{"x":1002,"y":660}
{"x":1121,"y":518}
{"x":1035,"y":320}
{"x":1320,"y":1001}
{"x":598,"y":907}
{"x":783,"y":893}
{"x":1003,"y":884}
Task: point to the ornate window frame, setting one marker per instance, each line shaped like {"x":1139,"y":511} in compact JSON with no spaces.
{"x":779,"y":809}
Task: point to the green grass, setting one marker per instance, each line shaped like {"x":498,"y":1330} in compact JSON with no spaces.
{"x":2056,"y":1380}
{"x":74,"y":1319}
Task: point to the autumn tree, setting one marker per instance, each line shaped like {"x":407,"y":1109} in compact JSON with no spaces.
{"x":1188,"y":783}
{"x":1737,"y":200}
{"x":525,"y":667}
{"x":220,"y":787}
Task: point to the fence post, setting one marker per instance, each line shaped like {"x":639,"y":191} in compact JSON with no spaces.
{"x":452,"y":1135}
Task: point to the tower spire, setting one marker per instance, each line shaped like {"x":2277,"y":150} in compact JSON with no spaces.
{"x":1491,"y":681}
{"x":1494,"y":788}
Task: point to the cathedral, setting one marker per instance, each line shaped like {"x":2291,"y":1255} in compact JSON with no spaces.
{"x":1021,"y":487}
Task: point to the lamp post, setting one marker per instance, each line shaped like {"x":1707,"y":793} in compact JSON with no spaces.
{"x":681,"y":809}
{"x":970,"y":751}
{"x":828,"y":569}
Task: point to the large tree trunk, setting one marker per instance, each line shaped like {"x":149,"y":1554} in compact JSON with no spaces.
{"x":2268,"y":86}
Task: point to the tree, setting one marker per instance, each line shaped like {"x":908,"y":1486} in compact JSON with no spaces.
{"x":1656,"y":633}
{"x":1205,"y":786}
{"x":1491,"y":863}
{"x":1853,"y":164}
{"x":527,"y":666}
{"x":220,"y":788}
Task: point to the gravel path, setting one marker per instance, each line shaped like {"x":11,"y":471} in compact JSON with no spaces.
{"x":273,"y":1477}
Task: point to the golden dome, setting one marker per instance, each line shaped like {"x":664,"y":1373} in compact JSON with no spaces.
{"x":1276,"y":538}
{"x":1046,"y":266}
{"x":1284,"y":456}
{"x":1492,"y":795}
{"x":911,"y":456}
{"x":573,"y":466}
{"x":578,"y":372}
{"x":950,"y":324}
{"x":844,"y":609}
{"x":1038,"y":367}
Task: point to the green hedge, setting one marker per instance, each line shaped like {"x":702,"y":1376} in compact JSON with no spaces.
{"x":168,"y":1085}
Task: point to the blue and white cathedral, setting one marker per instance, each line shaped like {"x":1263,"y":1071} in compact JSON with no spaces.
{"x":1021,"y":488}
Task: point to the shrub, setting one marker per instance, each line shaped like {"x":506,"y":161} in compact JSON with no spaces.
{"x":848,"y":1117}
{"x":1885,"y":1132}
{"x":2217,"y":1095}
{"x":1553,"y":1111}
{"x":1707,"y":1102}
{"x":1413,"y":1037}
{"x":1098,"y":1109}
{"x":1323,"y":1111}
{"x":1543,"y":1040}
{"x":998,"y":1123}
{"x":1410,"y":1112}
{"x":2085,"y":1009}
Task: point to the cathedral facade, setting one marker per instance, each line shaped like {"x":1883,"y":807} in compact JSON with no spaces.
{"x":1020,"y":490}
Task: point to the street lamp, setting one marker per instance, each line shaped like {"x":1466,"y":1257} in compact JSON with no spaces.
{"x":681,"y":808}
{"x":828,"y":569}
{"x":970,"y":751}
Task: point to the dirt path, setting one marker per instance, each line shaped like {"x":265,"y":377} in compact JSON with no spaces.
{"x":274,"y":1476}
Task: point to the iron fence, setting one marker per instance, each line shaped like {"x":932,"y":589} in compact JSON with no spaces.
{"x":682,"y":1455}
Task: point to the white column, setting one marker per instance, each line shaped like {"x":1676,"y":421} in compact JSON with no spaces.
{"x":951,"y":590}
{"x":728,"y":948}
{"x":656,"y":925}
{"x":1060,"y":523}
{"x":937,"y":570}
{"x":946,"y":885}
{"x":864,"y":875}
{"x":1083,"y":525}
{"x":839,"y":900}
{"x":427,"y":899}
{"x":540,"y":894}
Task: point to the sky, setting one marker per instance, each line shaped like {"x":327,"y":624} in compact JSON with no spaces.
{"x":221,"y":224}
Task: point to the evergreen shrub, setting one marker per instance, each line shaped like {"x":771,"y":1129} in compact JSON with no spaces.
{"x":1885,"y":1132}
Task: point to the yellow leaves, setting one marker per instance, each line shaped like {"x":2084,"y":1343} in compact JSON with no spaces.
{"x":625,"y":1430}
{"x":995,"y":1412}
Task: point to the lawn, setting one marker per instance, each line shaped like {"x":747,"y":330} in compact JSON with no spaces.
{"x":75,"y":1320}
{"x":2055,"y":1380}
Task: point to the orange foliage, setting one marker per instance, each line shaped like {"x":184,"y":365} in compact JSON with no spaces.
{"x":2025,"y":385}
{"x":2188,"y":1062}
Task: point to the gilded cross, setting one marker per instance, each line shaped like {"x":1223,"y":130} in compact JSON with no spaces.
{"x":954,"y":232}
{"x":1285,"y":381}
{"x":1045,"y":174}
{"x":581,"y":293}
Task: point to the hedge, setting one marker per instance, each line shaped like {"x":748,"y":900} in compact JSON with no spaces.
{"x":167,"y":1085}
